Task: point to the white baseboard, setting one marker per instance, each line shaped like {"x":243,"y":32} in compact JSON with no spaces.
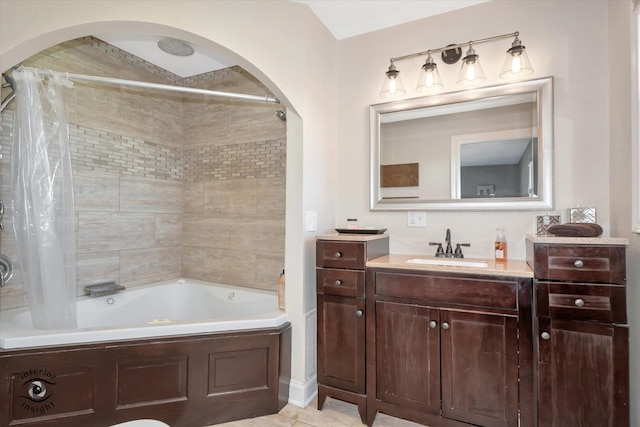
{"x":302,"y":394}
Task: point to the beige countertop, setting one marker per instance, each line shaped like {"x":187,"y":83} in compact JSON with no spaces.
{"x":511,"y":268}
{"x":578,"y":240}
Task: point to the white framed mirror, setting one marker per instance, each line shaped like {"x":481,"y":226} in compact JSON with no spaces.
{"x":485,"y":149}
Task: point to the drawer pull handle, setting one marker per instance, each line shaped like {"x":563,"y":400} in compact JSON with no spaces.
{"x":338,"y":282}
{"x":445,"y":325}
{"x":338,"y":254}
{"x":579,"y":302}
{"x":578,"y":263}
{"x":359,"y":313}
{"x":545,"y":335}
{"x":433,"y":324}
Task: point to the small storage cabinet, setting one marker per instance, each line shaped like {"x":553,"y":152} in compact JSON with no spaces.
{"x":581,"y":343}
{"x":340,"y":274}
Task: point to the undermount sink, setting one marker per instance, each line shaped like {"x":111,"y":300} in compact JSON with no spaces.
{"x":457,"y":262}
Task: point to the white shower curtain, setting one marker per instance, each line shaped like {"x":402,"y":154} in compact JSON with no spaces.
{"x":43,"y":210}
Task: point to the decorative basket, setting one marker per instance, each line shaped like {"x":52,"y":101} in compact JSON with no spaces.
{"x":544,"y":222}
{"x":581,"y":214}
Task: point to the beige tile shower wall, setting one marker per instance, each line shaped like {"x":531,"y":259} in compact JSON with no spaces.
{"x":234,"y":190}
{"x":164,"y":187}
{"x":127,"y":161}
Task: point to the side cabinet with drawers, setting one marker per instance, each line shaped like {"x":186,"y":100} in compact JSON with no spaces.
{"x":340,"y":275}
{"x":582,"y":360}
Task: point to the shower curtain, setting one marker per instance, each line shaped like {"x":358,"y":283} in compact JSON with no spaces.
{"x":43,"y":210}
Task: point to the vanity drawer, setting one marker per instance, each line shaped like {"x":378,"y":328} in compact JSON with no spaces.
{"x":340,"y":254}
{"x":580,"y":263}
{"x":347,"y":283}
{"x":582,"y":301}
{"x":450,"y":290}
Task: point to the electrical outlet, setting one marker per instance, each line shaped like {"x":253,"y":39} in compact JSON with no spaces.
{"x":417,"y":219}
{"x":311,"y":221}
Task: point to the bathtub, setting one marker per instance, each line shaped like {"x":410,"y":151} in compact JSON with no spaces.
{"x":184,"y":352}
{"x":175,"y":307}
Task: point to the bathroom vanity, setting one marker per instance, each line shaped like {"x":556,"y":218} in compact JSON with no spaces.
{"x":517,"y":343}
{"x":449,"y":345}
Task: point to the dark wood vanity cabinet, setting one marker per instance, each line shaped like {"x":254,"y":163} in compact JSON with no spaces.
{"x":340,"y":288}
{"x":581,"y":344}
{"x":445,"y":350}
{"x":461,"y":364}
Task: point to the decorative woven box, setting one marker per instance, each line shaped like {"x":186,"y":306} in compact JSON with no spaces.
{"x":544,"y":222}
{"x":581,"y":214}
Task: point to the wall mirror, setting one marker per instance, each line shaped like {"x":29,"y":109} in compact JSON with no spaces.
{"x":485,"y":149}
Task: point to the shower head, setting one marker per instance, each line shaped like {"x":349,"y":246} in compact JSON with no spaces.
{"x":281,"y":115}
{"x":175,"y":47}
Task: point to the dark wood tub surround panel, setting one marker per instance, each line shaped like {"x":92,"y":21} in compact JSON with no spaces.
{"x":184,"y":381}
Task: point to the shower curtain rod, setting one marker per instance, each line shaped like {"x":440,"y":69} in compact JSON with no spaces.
{"x":135,"y":83}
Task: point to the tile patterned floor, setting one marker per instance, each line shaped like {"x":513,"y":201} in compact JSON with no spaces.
{"x":335,"y":413}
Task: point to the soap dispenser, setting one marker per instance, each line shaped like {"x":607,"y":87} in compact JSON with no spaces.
{"x":500,"y":245}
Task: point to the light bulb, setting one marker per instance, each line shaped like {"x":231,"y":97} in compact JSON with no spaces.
{"x":428,"y":80}
{"x":471,"y":72}
{"x":516,"y":64}
{"x":392,"y":86}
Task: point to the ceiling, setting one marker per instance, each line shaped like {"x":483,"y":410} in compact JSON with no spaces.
{"x":343,"y":18}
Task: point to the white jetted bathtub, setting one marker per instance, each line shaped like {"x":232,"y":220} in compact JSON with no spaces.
{"x":178,"y":307}
{"x":186,"y":353}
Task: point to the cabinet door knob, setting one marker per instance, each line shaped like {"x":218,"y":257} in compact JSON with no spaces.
{"x":433,"y":324}
{"x":445,"y":325}
{"x":338,"y":254}
{"x":338,"y":282}
{"x":359,"y":313}
{"x":579,"y":302}
{"x":578,"y":263}
{"x":545,"y":335}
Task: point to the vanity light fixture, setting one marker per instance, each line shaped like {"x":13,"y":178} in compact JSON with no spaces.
{"x":517,"y":61}
{"x":392,"y":85}
{"x":516,"y":65}
{"x":429,"y":76}
{"x":471,"y":71}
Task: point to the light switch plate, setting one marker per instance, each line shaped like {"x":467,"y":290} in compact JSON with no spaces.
{"x":311,"y":221}
{"x":417,"y":219}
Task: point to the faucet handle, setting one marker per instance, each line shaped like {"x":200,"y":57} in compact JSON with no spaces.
{"x":458,"y":251}
{"x":439,"y":251}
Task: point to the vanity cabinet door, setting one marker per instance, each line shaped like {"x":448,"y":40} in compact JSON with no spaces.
{"x":479,"y":360}
{"x":341,"y":344}
{"x":408,"y":356}
{"x":583,"y":372}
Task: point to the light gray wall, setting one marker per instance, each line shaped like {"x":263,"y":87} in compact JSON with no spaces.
{"x":619,"y":20}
